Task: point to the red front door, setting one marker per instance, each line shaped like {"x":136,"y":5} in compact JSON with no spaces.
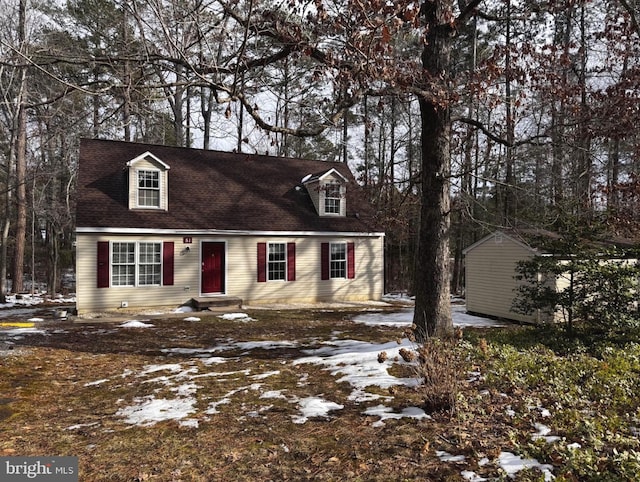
{"x":213,"y":268}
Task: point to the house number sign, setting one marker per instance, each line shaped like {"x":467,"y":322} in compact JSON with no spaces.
{"x":187,"y":240}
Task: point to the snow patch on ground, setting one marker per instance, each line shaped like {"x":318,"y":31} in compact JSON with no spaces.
{"x":387,"y":413}
{"x":136,"y":324}
{"x":242,"y":317}
{"x":149,"y":410}
{"x":513,"y":464}
{"x":404,"y":318}
{"x":314,"y":407}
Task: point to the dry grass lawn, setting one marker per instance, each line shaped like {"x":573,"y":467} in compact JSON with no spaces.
{"x":61,"y":393}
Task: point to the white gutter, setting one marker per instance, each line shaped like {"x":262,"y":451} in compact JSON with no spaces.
{"x":222,"y":232}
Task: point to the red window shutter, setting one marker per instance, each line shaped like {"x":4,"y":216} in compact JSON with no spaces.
{"x":167,"y":263}
{"x":103,"y":264}
{"x":324,"y":261}
{"x":262,"y":262}
{"x":351,"y":260}
{"x":291,"y":261}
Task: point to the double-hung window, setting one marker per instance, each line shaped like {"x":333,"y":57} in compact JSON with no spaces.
{"x":149,"y":264}
{"x":338,"y":260}
{"x":332,"y":198}
{"x":277,"y":262}
{"x":148,"y":189}
{"x":123,"y":264}
{"x":136,"y":264}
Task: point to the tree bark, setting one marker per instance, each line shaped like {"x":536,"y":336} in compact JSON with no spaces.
{"x":432,"y":315}
{"x":21,"y":164}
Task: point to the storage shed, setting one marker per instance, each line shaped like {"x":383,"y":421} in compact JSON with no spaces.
{"x":490,"y":269}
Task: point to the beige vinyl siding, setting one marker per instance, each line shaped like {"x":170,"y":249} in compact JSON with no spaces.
{"x":89,"y":298}
{"x":240,"y":276}
{"x":490,"y":267}
{"x":308,"y":287}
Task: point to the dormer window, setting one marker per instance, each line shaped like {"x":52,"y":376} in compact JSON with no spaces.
{"x":148,"y":189}
{"x":148,"y":181}
{"x":328,"y":192}
{"x":332,"y":198}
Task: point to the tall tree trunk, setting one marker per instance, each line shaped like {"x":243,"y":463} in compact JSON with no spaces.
{"x":126,"y":91}
{"x":508,"y":208}
{"x":367,"y":140}
{"x":584,"y":172}
{"x":613,"y":174}
{"x":207,"y":98}
{"x":4,"y":242}
{"x":562,"y":37}
{"x":21,"y":164}
{"x":432,"y":314}
{"x":345,"y":135}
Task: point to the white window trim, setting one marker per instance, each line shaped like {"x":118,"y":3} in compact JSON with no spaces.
{"x":112,"y":265}
{"x":340,"y":199}
{"x":286,"y":263}
{"x":345,"y":260}
{"x":160,"y":187}
{"x":136,"y":254}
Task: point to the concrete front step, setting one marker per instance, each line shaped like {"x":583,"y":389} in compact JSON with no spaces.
{"x":215,"y":303}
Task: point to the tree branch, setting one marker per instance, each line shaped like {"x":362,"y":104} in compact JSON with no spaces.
{"x":467,"y":12}
{"x":494,"y":137}
{"x":633,"y":14}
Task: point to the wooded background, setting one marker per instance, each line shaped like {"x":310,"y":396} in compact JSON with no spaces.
{"x":541,"y":99}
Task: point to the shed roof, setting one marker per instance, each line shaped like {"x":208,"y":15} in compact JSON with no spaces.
{"x":212,"y":190}
{"x":541,"y":241}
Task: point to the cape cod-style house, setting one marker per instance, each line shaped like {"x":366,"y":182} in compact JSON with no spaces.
{"x":165,"y":226}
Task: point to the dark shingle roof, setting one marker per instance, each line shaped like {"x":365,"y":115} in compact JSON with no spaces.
{"x":212,"y":190}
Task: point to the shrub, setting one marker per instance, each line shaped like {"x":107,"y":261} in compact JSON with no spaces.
{"x":596,"y":288}
{"x":440,"y":369}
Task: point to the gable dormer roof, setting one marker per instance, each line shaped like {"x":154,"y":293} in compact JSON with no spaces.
{"x":149,"y":157}
{"x":321,"y":176}
{"x":212,"y":190}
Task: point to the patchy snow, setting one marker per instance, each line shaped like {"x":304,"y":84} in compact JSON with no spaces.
{"x":183,"y":309}
{"x":386,"y":413}
{"x":149,"y":410}
{"x":21,"y":332}
{"x":405,"y":318}
{"x":96,"y":383}
{"x":314,"y":407}
{"x":513,"y":464}
{"x":30,"y":300}
{"x":447,"y":457}
{"x":243,"y":317}
{"x":543,"y":433}
{"x":136,"y":324}
{"x":471,"y":476}
{"x":353,"y":362}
